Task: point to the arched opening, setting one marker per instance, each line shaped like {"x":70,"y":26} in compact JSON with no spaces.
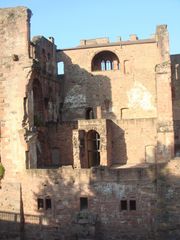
{"x":37,"y":103}
{"x":105,"y":61}
{"x":93,"y":148}
{"x":89,"y":113}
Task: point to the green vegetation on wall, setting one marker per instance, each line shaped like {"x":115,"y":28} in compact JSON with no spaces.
{"x":2,"y":171}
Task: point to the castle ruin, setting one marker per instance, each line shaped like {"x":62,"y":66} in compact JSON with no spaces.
{"x":90,"y":136}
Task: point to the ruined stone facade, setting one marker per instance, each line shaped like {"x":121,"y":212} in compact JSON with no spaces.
{"x":88,"y":153}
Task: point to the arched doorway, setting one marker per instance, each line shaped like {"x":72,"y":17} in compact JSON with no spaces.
{"x":93,"y":148}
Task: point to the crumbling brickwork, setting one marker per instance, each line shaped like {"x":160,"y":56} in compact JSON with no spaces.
{"x":88,"y":153}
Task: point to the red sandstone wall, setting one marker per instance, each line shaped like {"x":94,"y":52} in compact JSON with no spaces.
{"x":156,"y":193}
{"x":15,"y":66}
{"x":61,"y":137}
{"x":121,"y":89}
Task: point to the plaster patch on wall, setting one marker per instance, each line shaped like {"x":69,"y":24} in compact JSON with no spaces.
{"x":140,"y":97}
{"x":118,"y":190}
{"x":104,"y":188}
{"x":74,"y":98}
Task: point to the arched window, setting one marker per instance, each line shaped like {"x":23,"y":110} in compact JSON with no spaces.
{"x":105,"y":60}
{"x":103,"y":65}
{"x":108,"y":65}
{"x":93,"y":148}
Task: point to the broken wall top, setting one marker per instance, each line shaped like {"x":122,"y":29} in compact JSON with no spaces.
{"x":15,"y":31}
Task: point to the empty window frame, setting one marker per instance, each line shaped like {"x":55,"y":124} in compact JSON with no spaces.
{"x":44,"y":203}
{"x":128,"y":205}
{"x":108,"y":65}
{"x":123,"y":205}
{"x":82,"y":138}
{"x":107,"y":104}
{"x":132,"y":205}
{"x":89,"y":113}
{"x":40,"y":203}
{"x":103,"y":65}
{"x":48,"y":203}
{"x":60,"y":66}
{"x":83,"y":203}
{"x":93,"y":148}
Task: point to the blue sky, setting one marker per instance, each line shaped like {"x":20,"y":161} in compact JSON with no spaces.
{"x":68,"y":21}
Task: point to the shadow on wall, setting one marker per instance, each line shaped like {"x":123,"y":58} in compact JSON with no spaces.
{"x":70,"y":207}
{"x":83,"y":90}
{"x":63,"y":206}
{"x":88,"y":96}
{"x":175,"y":86}
{"x":118,"y":145}
{"x":84,"y":96}
{"x":168,"y":194}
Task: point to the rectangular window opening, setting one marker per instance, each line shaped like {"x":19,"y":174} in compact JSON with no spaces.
{"x":40,"y":203}
{"x":123,"y":205}
{"x":83,"y":203}
{"x":60,"y":67}
{"x":48,"y":203}
{"x":132,"y":205}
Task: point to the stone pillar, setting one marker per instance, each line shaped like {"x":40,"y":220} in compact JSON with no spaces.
{"x":76,"y":150}
{"x":98,"y":112}
{"x":165,"y":132}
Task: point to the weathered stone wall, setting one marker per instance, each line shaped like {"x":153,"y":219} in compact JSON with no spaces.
{"x":132,"y":140}
{"x":30,"y":93}
{"x":104,"y":189}
{"x":61,"y":138}
{"x":155,"y":190}
{"x":10,"y":220}
{"x":121,"y":141}
{"x":15,"y":67}
{"x":130,"y":95}
{"x":133,"y":116}
{"x":131,"y":92}
{"x":135,"y":90}
{"x":42,"y":105}
{"x":175,"y":68}
{"x":168,"y":209}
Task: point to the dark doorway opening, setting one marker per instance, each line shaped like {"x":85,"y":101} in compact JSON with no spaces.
{"x":89,"y":113}
{"x":83,"y":203}
{"x":93,"y":148}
